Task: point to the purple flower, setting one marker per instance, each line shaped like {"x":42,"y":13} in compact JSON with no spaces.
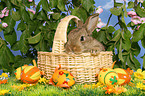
{"x":4,"y":25}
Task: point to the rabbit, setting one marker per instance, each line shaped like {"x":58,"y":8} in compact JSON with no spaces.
{"x":80,"y":39}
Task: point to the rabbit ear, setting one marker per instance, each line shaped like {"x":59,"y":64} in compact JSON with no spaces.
{"x":91,"y":23}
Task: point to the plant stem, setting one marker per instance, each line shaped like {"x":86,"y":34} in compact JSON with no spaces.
{"x":109,"y":20}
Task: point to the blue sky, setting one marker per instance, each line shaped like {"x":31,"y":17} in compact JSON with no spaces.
{"x":106,"y":5}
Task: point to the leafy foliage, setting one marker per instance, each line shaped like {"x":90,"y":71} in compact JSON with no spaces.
{"x":38,"y":29}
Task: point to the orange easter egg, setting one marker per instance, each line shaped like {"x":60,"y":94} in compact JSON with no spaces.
{"x":123,"y":76}
{"x":30,"y":74}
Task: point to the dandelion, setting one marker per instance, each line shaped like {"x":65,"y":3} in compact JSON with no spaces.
{"x":43,"y":80}
{"x":139,"y":85}
{"x":139,"y":74}
{"x":3,"y":92}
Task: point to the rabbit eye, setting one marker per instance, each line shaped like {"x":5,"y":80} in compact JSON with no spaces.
{"x":82,"y":38}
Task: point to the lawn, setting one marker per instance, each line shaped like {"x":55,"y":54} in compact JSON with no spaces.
{"x":77,"y":90}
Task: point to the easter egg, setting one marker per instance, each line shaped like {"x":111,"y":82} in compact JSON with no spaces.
{"x":123,"y":76}
{"x":108,"y":76}
{"x":30,"y":74}
{"x":18,"y":71}
{"x":63,"y":77}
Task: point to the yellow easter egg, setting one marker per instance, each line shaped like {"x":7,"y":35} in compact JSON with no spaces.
{"x":63,"y":77}
{"x":123,"y":76}
{"x":108,"y":76}
{"x":18,"y":71}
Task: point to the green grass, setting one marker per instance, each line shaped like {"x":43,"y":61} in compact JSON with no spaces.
{"x":76,"y":90}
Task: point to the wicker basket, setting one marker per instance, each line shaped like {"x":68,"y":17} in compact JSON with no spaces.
{"x":83,"y":67}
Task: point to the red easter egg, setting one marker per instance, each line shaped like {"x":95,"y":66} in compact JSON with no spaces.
{"x":30,"y":74}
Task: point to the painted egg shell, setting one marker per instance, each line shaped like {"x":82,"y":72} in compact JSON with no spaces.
{"x":108,"y":76}
{"x":31,"y":75}
{"x":123,"y":76}
{"x":18,"y":72}
{"x":63,"y":77}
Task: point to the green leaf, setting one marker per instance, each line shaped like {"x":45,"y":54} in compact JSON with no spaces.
{"x":14,"y":2}
{"x":42,"y":46}
{"x":15,"y":46}
{"x":21,"y":26}
{"x":126,"y":44}
{"x":125,"y":11}
{"x":135,"y":61}
{"x":76,"y":2}
{"x":45,"y":5}
{"x":143,"y":4}
{"x":110,"y":29}
{"x":116,"y":11}
{"x":100,"y":36}
{"x":53,"y":3}
{"x":11,"y":23}
{"x":42,"y":15}
{"x":130,"y":63}
{"x":116,"y":35}
{"x":20,"y":61}
{"x":87,"y":4}
{"x":118,"y":4}
{"x":138,"y":35}
{"x":140,"y":11}
{"x":120,"y":51}
{"x":135,"y":48}
{"x":11,"y":37}
{"x":61,"y":5}
{"x":23,"y":44}
{"x":130,"y":5}
{"x":56,"y":16}
{"x":35,"y":39}
{"x":15,"y":15}
{"x":144,"y":61}
{"x":6,"y":55}
{"x":143,"y":42}
{"x":80,"y":13}
{"x":24,"y":14}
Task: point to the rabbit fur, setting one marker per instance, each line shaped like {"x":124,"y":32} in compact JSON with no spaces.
{"x":80,"y":39}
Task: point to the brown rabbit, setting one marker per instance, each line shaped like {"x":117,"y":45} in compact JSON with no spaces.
{"x":80,"y":39}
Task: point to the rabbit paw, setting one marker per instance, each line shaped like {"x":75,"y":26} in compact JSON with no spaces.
{"x":95,"y":52}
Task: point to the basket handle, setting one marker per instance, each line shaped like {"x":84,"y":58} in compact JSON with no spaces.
{"x":60,"y":37}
